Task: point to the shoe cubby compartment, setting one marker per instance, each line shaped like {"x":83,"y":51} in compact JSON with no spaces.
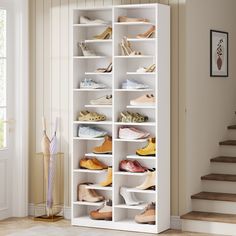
{"x":147,"y":93}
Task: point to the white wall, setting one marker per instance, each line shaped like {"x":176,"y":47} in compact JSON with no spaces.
{"x":210,"y":102}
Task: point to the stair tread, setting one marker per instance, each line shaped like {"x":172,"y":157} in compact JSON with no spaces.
{"x":229,"y":197}
{"x":220,"y":177}
{"x":232,"y":127}
{"x":224,"y":159}
{"x":228,"y":142}
{"x":209,"y":216}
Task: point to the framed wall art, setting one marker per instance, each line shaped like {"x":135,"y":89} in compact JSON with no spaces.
{"x":219,"y":54}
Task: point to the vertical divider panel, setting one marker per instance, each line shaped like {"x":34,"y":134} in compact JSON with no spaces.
{"x":113,"y":113}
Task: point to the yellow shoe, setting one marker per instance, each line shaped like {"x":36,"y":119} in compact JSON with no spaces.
{"x":89,"y":164}
{"x":149,"y":150}
{"x":99,"y":163}
{"x":105,"y":148}
{"x":108,"y":180}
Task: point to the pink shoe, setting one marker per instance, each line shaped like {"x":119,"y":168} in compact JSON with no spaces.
{"x":131,"y":166}
{"x":131,"y":133}
{"x":145,"y":100}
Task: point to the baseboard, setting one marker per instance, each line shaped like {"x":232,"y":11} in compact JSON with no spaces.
{"x":41,"y":209}
{"x":175,"y":222}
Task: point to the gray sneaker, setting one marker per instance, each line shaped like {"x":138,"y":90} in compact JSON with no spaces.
{"x":91,"y":84}
{"x":90,"y":132}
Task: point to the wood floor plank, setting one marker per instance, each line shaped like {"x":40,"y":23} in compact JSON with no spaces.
{"x":208,"y":216}
{"x":228,"y":197}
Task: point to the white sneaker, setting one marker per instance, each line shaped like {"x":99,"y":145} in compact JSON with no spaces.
{"x":90,"y":132}
{"x":91,"y":84}
{"x":87,"y":20}
{"x":105,"y":100}
{"x":132,"y":84}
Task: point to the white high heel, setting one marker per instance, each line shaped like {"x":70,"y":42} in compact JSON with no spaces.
{"x":87,"y":20}
{"x":86,"y":52}
{"x":129,"y":197}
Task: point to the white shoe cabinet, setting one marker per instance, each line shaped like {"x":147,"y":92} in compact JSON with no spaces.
{"x":154,"y":50}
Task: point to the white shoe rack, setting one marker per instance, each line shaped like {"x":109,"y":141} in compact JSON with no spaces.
{"x":154,"y":50}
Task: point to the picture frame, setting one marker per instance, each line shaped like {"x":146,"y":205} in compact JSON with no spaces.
{"x":219,"y":53}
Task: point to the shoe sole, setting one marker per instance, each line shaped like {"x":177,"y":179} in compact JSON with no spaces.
{"x":148,"y":155}
{"x":102,"y":152}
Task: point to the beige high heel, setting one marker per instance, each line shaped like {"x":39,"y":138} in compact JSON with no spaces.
{"x":126,"y":48}
{"x":128,"y":19}
{"x":149,"y":182}
{"x":147,"y":34}
{"x":85,"y":194}
{"x":105,"y":34}
{"x":105,"y":70}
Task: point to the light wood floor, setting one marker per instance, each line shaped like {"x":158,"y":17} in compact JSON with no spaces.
{"x":18,"y":224}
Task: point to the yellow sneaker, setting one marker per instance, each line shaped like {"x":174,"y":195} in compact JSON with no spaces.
{"x":149,"y":150}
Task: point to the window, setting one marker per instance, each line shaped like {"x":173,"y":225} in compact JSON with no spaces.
{"x":3,"y":77}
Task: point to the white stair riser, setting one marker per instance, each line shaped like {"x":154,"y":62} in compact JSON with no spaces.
{"x":227,"y":150}
{"x":231,"y":134}
{"x":219,"y":186}
{"x":208,"y":227}
{"x":214,"y":206}
{"x":223,"y":168}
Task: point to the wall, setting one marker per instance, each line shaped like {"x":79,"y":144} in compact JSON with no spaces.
{"x":210,"y":102}
{"x":50,"y":74}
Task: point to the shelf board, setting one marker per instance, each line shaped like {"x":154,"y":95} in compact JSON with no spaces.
{"x":98,"y":41}
{"x":130,"y":173}
{"x":98,"y":155}
{"x":98,"y":187}
{"x":131,"y":140}
{"x":89,"y":171}
{"x":137,"y":207}
{"x":136,"y":124}
{"x":140,"y":106}
{"x":138,"y":73}
{"x":134,"y":23}
{"x":91,"y":90}
{"x":133,"y":90}
{"x":88,"y":203}
{"x":94,"y":122}
{"x":97,"y":73}
{"x":135,"y":190}
{"x":141,"y":157}
{"x":98,"y":106}
{"x":89,"y":139}
{"x":91,"y":25}
{"x":141,"y":39}
{"x":137,"y":56}
{"x":89,"y":57}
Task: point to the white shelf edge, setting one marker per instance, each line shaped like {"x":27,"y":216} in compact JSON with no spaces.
{"x":137,"y":73}
{"x":140,"y":107}
{"x":93,"y":122}
{"x":88,"y":139}
{"x":136,"y":124}
{"x":135,"y":190}
{"x":137,"y":207}
{"x":141,"y":157}
{"x":131,"y":140}
{"x":88,"y":203}
{"x":97,"y":73}
{"x":138,"y":56}
{"x":91,"y":25}
{"x":89,"y":171}
{"x":91,"y":90}
{"x":98,"y":155}
{"x":89,"y":57}
{"x":98,"y":187}
{"x":98,"y":106}
{"x":98,"y":40}
{"x":141,"y":39}
{"x":130,"y":173}
{"x":134,"y":23}
{"x":133,"y":90}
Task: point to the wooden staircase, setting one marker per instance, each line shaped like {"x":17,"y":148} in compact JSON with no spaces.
{"x":214,"y":210}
